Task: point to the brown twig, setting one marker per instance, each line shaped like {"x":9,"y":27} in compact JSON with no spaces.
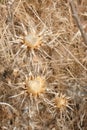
{"x":76,"y":17}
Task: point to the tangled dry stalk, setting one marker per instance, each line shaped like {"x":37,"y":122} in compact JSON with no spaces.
{"x":43,"y":65}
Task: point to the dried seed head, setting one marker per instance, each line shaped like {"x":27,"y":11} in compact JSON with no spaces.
{"x":32,"y":41}
{"x":62,"y":102}
{"x":36,"y":85}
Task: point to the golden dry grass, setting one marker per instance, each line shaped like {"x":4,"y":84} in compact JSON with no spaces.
{"x":61,"y":59}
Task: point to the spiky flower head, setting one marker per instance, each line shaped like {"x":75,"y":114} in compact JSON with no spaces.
{"x":62,"y":102}
{"x":36,"y":85}
{"x":32,"y":41}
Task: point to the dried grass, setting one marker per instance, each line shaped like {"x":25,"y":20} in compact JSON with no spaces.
{"x":62,"y":59}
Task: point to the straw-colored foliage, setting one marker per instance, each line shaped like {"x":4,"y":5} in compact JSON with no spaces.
{"x":43,"y":65}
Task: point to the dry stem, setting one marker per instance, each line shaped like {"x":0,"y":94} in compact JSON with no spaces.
{"x":76,"y":17}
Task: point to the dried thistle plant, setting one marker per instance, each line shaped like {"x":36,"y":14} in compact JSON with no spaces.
{"x":32,"y":41}
{"x":45,"y":68}
{"x":62,"y":102}
{"x":36,"y":85}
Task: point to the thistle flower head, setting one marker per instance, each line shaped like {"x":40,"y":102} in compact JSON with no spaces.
{"x":32,"y":41}
{"x":62,"y":102}
{"x":36,"y":85}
